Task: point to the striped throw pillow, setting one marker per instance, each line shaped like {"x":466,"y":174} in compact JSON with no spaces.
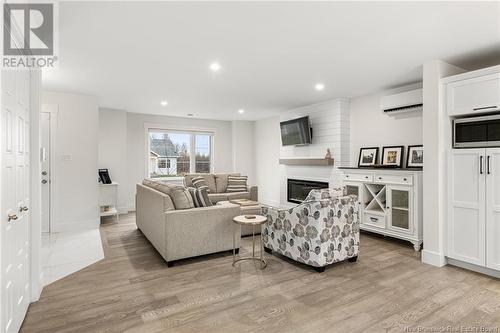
{"x":237,"y":184}
{"x":200,"y":183}
{"x":200,"y":197}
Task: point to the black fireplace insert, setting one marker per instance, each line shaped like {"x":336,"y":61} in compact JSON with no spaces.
{"x":297,"y":189}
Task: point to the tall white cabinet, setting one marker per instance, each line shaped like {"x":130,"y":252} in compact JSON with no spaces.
{"x":474,"y":207}
{"x":472,"y":231}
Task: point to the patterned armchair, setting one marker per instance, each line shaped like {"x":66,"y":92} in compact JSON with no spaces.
{"x":320,"y":231}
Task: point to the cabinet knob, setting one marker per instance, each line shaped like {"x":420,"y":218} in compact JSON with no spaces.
{"x":346,"y":176}
{"x":380,"y":178}
{"x":405,"y":179}
{"x":11,"y":217}
{"x":23,"y":209}
{"x":366,"y":177}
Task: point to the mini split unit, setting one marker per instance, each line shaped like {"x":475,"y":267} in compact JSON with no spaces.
{"x":408,"y":101}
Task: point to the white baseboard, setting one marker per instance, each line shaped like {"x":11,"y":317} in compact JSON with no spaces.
{"x":76,"y":225}
{"x":475,"y":268}
{"x":433,"y":258}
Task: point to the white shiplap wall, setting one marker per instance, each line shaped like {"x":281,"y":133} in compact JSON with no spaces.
{"x":330,"y":123}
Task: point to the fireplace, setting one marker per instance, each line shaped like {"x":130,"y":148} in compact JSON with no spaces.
{"x":297,"y":189}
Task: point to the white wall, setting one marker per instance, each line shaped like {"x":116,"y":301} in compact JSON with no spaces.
{"x":267,"y":151}
{"x":136,"y":145}
{"x":243,"y":133}
{"x":112,"y":153}
{"x":434,"y":173}
{"x":74,"y":175}
{"x":370,"y":127}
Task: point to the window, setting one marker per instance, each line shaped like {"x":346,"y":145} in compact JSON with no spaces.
{"x":175,"y":153}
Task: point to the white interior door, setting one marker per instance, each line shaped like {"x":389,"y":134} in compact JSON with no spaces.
{"x":15,"y":195}
{"x":45,"y":169}
{"x":466,"y":215}
{"x":493,"y":208}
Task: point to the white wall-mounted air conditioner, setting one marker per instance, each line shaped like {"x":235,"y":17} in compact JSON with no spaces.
{"x":408,"y":101}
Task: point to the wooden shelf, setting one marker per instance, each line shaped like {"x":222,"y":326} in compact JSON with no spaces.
{"x":307,"y":161}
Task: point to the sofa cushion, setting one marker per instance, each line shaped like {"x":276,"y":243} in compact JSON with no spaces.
{"x":181,"y":197}
{"x":221,"y":181}
{"x":200,"y":197}
{"x":200,"y":183}
{"x":238,"y":195}
{"x":236,"y":184}
{"x":209,"y":178}
{"x":216,"y":197}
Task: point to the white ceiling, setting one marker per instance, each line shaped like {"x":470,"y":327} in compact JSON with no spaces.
{"x":132,"y":55}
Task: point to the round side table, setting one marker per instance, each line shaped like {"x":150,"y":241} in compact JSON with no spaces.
{"x":257,"y":221}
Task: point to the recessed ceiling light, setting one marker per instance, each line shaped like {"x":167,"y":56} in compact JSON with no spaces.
{"x":164,"y":103}
{"x":215,"y":67}
{"x":241,"y":111}
{"x":319,"y":86}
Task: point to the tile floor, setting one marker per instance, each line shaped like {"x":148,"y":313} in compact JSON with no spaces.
{"x":67,"y":252}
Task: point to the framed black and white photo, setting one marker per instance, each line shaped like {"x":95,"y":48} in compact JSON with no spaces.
{"x":368,"y":157}
{"x":392,"y":156}
{"x":415,"y":157}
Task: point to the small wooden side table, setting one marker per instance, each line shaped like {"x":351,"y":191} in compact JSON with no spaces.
{"x":257,"y":221}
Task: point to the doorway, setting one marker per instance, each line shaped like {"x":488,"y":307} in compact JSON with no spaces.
{"x":48,"y":122}
{"x":45,"y":169}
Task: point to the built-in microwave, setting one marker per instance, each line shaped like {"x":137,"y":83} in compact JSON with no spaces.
{"x":481,"y":131}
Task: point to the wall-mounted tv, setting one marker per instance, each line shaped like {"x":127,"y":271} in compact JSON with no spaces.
{"x":295,"y":132}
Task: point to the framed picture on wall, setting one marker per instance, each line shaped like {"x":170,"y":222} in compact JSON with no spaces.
{"x":368,"y":157}
{"x":415,"y":158}
{"x":392,"y":156}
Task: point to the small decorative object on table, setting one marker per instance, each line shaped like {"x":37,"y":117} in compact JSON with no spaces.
{"x":415,"y":157}
{"x":368,"y":157}
{"x":249,"y":217}
{"x":328,"y":154}
{"x":392,"y":156}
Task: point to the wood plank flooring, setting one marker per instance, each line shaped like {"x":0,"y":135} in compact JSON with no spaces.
{"x":387,"y":290}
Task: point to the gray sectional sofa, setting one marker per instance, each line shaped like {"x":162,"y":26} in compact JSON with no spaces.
{"x":165,"y":215}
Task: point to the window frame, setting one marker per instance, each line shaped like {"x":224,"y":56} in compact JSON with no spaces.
{"x":159,"y":128}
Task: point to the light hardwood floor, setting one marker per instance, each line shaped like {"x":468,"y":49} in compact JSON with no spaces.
{"x":388,"y":289}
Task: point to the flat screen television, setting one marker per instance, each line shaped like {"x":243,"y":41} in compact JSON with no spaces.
{"x":295,"y":132}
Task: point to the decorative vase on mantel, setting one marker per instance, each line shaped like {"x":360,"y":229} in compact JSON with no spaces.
{"x":328,"y":155}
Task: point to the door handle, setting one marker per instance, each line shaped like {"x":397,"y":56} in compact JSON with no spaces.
{"x":481,"y":165}
{"x":11,"y":217}
{"x":23,"y":209}
{"x":488,"y":165}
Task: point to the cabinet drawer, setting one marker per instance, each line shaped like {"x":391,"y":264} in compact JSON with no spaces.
{"x":374,"y":220}
{"x":476,"y":95}
{"x":394,"y":179}
{"x":360,"y":177}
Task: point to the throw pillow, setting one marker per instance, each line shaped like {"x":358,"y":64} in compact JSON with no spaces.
{"x":181,"y":197}
{"x":237,"y":184}
{"x":200,"y":197}
{"x":200,"y":183}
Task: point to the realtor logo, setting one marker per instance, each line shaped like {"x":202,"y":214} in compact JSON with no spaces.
{"x":29,"y":35}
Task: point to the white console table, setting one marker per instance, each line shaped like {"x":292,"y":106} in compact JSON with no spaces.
{"x":108,"y":200}
{"x":390,"y":201}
